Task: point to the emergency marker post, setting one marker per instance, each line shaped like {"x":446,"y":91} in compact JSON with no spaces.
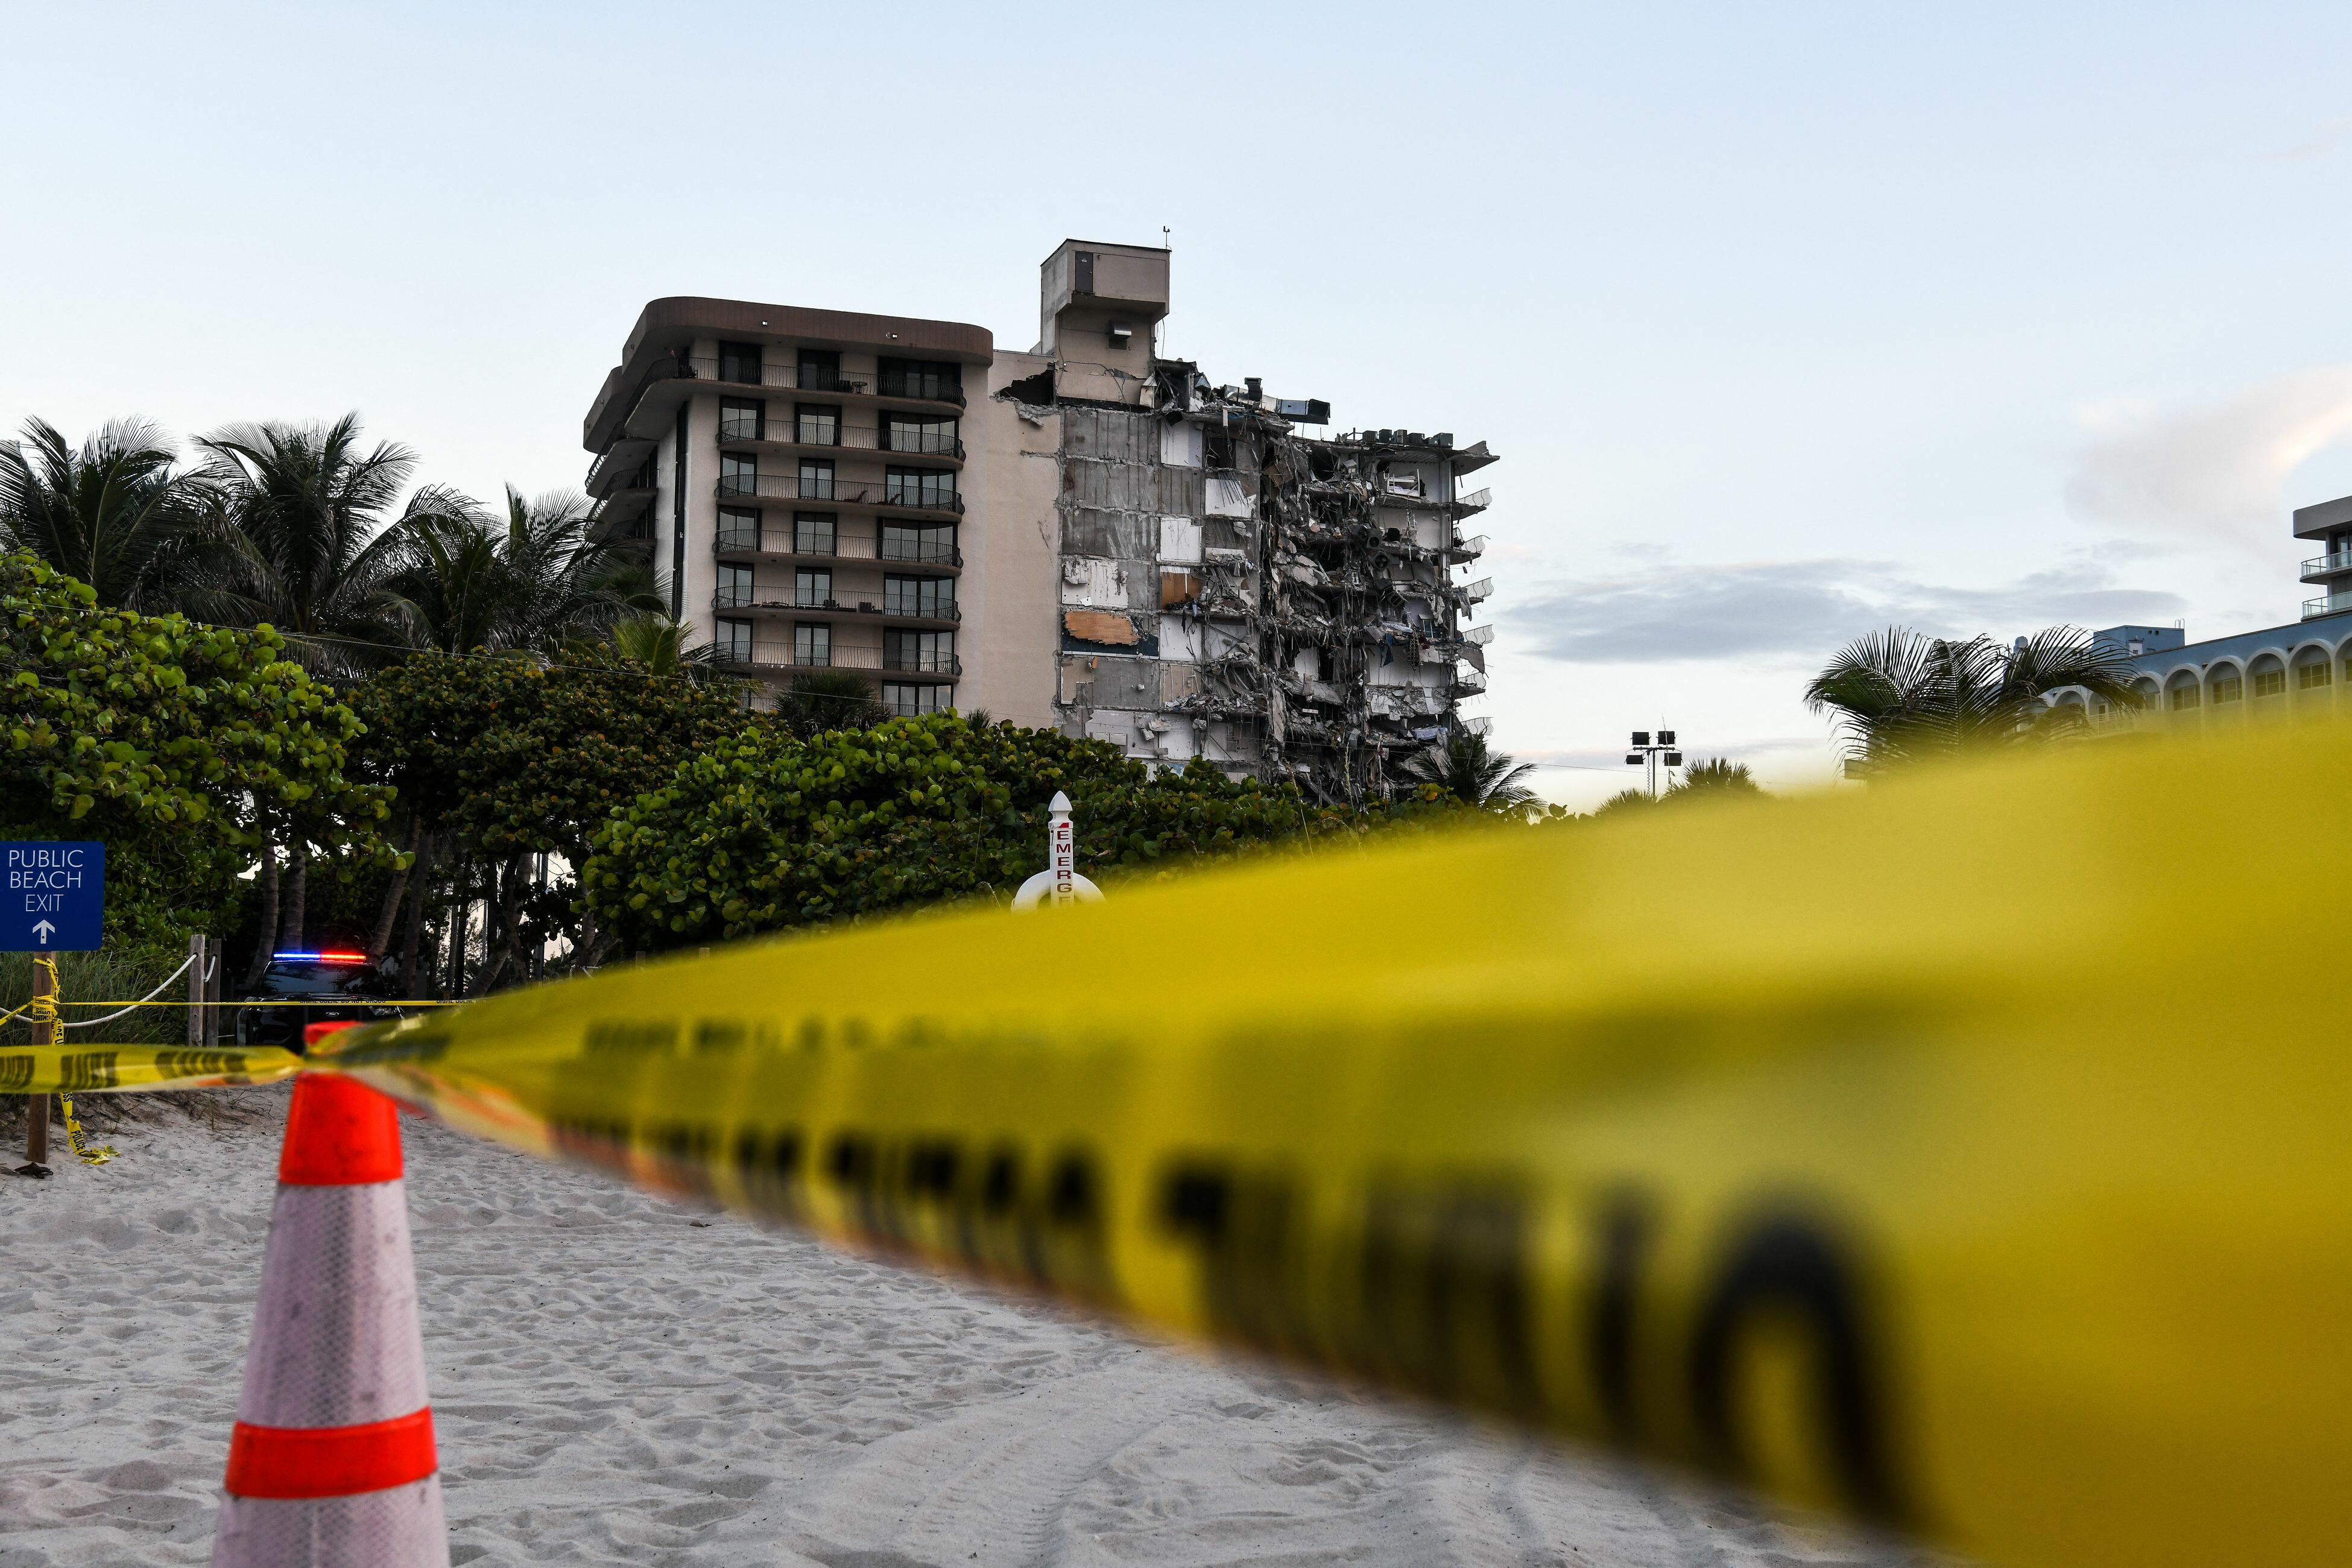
{"x":54,"y":901}
{"x":1060,"y":881}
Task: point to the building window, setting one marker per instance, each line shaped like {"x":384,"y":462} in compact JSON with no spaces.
{"x":812,"y":588}
{"x":2183,"y":698}
{"x":932,"y":437}
{"x":739,"y":362}
{"x":739,"y":474}
{"x":734,"y":642}
{"x":738,"y":528}
{"x":906,"y":541}
{"x":812,"y":643}
{"x":2228,"y":689}
{"x":816,"y":534}
{"x":933,"y":597}
{"x":937,"y":380}
{"x":2270,"y":683}
{"x":2307,"y":675}
{"x":922,"y":653}
{"x":906,"y":698}
{"x":820,"y":371}
{"x":930,"y":489}
{"x":816,"y":424}
{"x":734,"y":587}
{"x":816,"y":479}
{"x":742,"y":419}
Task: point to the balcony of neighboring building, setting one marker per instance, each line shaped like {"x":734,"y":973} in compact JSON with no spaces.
{"x":819,"y":542}
{"x":622,"y":465}
{"x":936,"y":390}
{"x":2331,"y":567}
{"x":843,"y":606}
{"x":2330,"y":604}
{"x":807,"y":430}
{"x":795,"y":653}
{"x":914,"y":491}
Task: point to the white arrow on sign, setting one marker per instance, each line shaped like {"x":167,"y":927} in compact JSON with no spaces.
{"x":43,"y":930}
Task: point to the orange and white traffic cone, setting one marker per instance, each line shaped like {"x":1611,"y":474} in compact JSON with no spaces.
{"x":332,"y":1459}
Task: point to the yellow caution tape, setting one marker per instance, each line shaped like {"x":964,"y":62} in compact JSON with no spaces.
{"x":1972,"y":1152}
{"x":88,"y":1155}
{"x":77,"y":1069}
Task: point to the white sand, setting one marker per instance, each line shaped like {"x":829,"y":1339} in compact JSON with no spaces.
{"x":616,"y":1379}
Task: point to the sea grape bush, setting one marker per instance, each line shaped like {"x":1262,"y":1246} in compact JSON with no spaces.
{"x":763,"y":831}
{"x":183,"y":746}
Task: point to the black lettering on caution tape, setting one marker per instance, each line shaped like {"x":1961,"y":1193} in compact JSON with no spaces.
{"x":16,"y":1072}
{"x":1792,"y":1269}
{"x":85,"y":1070}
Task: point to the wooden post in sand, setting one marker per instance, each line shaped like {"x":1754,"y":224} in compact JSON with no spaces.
{"x":196,"y":992}
{"x":37,"y":1106}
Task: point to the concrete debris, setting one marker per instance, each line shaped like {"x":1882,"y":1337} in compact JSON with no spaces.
{"x":1280,"y":604}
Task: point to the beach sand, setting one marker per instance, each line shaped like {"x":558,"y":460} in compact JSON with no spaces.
{"x":618,"y":1379}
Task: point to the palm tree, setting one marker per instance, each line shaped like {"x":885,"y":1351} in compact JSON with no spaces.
{"x":1714,"y":778}
{"x":822,"y":699}
{"x":1899,"y":697}
{"x":452,"y":589}
{"x":115,"y":513}
{"x":646,"y":637}
{"x":1465,"y":769}
{"x":305,"y":538}
{"x":569,"y":577}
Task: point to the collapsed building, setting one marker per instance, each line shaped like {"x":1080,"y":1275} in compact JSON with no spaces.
{"x":1103,"y":540}
{"x":1232,"y":587}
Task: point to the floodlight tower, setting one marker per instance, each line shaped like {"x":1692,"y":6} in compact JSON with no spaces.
{"x":1646,"y":752}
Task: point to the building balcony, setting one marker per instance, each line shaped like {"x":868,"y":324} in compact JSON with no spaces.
{"x":939,"y":616}
{"x":1468,"y":683}
{"x":2333,"y":603}
{"x":1476,"y":500}
{"x":726,"y":373}
{"x":1472,"y":593}
{"x":768,"y":655}
{"x":785,"y":434}
{"x":778,"y":544}
{"x":2320,"y":568}
{"x":833,"y":491}
{"x":1470,"y":548}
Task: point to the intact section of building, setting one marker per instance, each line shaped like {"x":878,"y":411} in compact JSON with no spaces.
{"x":1083,"y":535}
{"x":2302,"y":668}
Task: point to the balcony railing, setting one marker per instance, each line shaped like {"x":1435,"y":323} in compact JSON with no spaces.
{"x":920,"y":663}
{"x":901,"y":609}
{"x":1478,"y":636}
{"x":1482,"y":588}
{"x":2328,"y":605}
{"x":783,"y":542}
{"x":1476,"y":500}
{"x":788,"y":378}
{"x":2320,"y":566}
{"x":1470,"y":548}
{"x":844,"y":437}
{"x":836,"y":491}
{"x":772,"y":653}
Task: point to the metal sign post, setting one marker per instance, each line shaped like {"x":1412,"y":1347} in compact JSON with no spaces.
{"x":1060,"y":878}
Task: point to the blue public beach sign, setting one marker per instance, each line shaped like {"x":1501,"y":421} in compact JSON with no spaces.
{"x":55,"y":898}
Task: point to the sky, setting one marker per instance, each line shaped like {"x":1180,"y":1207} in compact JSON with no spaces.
{"x":1789,"y":322}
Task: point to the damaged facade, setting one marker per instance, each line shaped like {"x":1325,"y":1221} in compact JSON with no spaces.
{"x":1122,"y":547}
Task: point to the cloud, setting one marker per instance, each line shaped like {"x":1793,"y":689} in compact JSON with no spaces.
{"x":2221,"y":468}
{"x":1803,"y":609}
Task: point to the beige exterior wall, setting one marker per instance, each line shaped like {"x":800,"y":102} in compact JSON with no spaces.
{"x":1011,"y":550}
